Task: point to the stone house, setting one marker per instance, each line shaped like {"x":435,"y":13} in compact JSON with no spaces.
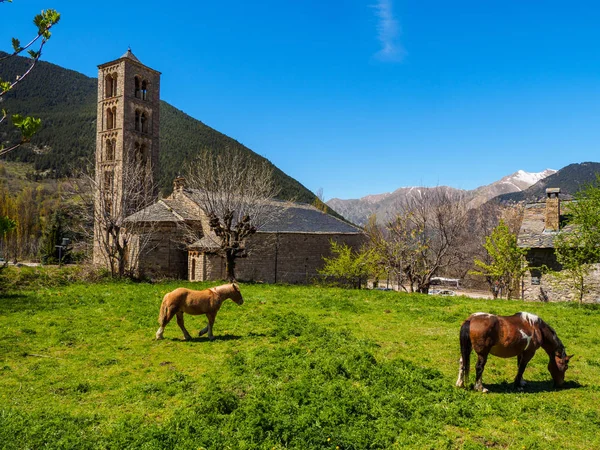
{"x":288,"y":249}
{"x":542,"y":222}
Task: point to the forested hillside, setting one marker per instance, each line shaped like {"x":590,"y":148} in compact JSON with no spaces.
{"x":66,"y":101}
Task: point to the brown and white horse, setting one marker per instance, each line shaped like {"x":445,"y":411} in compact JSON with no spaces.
{"x":208,"y":302}
{"x":518,"y":335}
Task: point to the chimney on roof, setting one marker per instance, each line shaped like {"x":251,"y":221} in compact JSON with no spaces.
{"x":552,"y":209}
{"x":179,"y":184}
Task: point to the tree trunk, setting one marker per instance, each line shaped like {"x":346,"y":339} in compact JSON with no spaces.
{"x":230,"y":265}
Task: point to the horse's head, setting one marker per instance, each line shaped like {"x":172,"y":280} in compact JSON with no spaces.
{"x":236,"y":294}
{"x":558,"y":365}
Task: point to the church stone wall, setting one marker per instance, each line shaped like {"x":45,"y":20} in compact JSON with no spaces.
{"x":164,"y":255}
{"x":293,"y":258}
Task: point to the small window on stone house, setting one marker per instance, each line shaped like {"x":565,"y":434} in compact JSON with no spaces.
{"x":137,"y":120}
{"x":536,"y":277}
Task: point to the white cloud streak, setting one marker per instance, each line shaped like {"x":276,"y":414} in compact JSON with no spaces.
{"x":388,"y":33}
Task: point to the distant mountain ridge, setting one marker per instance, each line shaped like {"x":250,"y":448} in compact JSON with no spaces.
{"x":385,"y":205}
{"x":514,"y":183}
{"x":66,"y":102}
{"x":570,"y":179}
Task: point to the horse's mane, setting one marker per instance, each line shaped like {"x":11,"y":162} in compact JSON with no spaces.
{"x":549,"y":336}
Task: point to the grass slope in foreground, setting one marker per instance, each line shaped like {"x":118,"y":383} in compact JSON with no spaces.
{"x":294,"y":367}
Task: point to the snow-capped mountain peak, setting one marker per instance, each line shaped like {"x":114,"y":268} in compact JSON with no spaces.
{"x":521,"y":180}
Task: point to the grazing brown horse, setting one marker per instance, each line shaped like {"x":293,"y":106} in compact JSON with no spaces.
{"x":208,"y":302}
{"x":518,"y":335}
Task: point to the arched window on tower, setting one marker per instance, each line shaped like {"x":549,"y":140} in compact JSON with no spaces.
{"x":108,"y":86}
{"x":110,"y":119}
{"x":144,"y":123}
{"x":108,"y":180}
{"x":139,"y":152}
{"x":110,"y":150}
{"x":114,"y":84}
{"x":144,"y":90}
{"x":136,"y":151}
{"x":137,"y":120}
{"x":137,"y":89}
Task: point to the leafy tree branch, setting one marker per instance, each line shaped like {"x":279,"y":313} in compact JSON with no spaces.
{"x":27,"y":125}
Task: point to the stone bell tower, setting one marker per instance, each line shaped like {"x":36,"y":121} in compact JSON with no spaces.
{"x":127,"y":139}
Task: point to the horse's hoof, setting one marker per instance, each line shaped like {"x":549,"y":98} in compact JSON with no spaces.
{"x":212,"y":338}
{"x":484,"y":390}
{"x":158,"y":337}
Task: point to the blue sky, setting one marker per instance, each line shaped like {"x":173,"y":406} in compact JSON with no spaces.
{"x":360,"y":97}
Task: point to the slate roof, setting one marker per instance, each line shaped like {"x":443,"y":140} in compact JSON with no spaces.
{"x":303,"y":218}
{"x":157,"y":212}
{"x":130,"y":55}
{"x":298,"y":218}
{"x":532,"y":233}
{"x":165,"y":210}
{"x":292,"y":217}
{"x":206,"y":243}
{"x":181,"y":208}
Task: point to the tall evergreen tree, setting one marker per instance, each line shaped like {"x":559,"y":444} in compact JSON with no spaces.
{"x":52,"y":236}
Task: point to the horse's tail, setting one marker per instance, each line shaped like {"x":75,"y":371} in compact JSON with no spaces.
{"x":162,"y":315}
{"x":465,"y":347}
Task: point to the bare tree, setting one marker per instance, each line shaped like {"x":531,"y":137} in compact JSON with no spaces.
{"x":391,"y":252}
{"x":106,"y":200}
{"x":425,"y":238}
{"x":236,"y":193}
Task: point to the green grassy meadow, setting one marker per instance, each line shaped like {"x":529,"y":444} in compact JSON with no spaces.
{"x":294,"y":367}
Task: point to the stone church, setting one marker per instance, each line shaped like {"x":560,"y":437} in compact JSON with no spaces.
{"x":289,"y":249}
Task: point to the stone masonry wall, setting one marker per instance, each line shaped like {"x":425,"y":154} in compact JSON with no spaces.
{"x":164,"y":255}
{"x":554,"y":290}
{"x":293,"y":258}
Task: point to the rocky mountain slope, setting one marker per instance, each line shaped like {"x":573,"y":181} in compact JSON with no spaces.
{"x":514,"y":183}
{"x":385,"y":205}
